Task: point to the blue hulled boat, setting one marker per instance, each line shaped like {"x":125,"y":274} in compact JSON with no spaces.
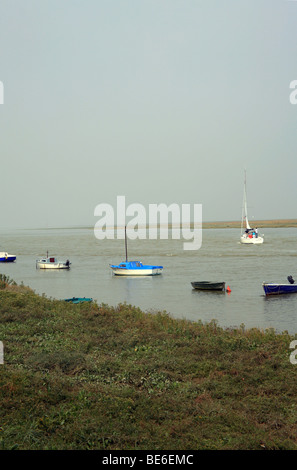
{"x":134,"y":268}
{"x":6,"y":258}
{"x":277,"y":289}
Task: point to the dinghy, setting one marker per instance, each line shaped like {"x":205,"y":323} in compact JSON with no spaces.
{"x":79,"y":300}
{"x":208,"y":285}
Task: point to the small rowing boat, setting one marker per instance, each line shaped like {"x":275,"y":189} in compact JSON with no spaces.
{"x":208,"y":285}
{"x":78,"y":300}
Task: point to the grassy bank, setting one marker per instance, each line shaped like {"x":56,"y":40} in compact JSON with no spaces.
{"x":94,"y":377}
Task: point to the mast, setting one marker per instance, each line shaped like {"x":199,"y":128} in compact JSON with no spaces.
{"x":126,"y":243}
{"x":244,"y":207}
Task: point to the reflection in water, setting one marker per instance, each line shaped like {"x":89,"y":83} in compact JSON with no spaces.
{"x":133,"y":286}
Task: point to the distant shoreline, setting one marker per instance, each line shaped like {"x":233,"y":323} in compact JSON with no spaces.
{"x":277,"y":223}
{"x":255,"y":223}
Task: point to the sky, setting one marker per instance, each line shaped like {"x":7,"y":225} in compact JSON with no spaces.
{"x":160,"y":101}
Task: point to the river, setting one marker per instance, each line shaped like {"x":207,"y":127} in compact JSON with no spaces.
{"x":220,"y":258}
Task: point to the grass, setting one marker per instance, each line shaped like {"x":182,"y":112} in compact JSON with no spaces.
{"x":90,"y":376}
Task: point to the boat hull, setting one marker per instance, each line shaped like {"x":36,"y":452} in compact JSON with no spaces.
{"x":135,"y":268}
{"x":7,"y":259}
{"x":209,"y":286}
{"x":52,"y":263}
{"x":251,"y":241}
{"x":137,"y":272}
{"x":78,"y":300}
{"x":52,"y":266}
{"x":279,"y":289}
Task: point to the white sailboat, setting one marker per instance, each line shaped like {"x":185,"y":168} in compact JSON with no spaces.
{"x":250,"y":235}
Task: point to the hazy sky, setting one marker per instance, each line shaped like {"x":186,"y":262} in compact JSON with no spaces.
{"x":162,"y":101}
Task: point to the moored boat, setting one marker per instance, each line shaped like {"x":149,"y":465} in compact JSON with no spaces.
{"x":134,"y":268}
{"x":6,"y":257}
{"x":208,"y":285}
{"x":250,"y":235}
{"x":79,"y":300}
{"x":50,"y":262}
{"x":278,"y":289}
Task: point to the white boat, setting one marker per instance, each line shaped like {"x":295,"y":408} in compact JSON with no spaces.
{"x":134,"y":268}
{"x":50,"y":262}
{"x":250,"y":235}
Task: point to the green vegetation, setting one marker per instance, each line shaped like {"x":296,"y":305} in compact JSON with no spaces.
{"x":90,"y":376}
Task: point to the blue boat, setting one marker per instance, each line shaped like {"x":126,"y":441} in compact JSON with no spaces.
{"x":134,"y":268}
{"x":78,"y":300}
{"x":6,"y":258}
{"x":277,"y":289}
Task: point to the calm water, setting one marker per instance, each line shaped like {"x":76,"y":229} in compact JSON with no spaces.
{"x":221,"y":258}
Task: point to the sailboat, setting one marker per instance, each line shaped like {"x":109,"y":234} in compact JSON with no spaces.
{"x":134,"y":268}
{"x":250,"y":235}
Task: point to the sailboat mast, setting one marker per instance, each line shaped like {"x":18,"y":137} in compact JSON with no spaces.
{"x":126,"y":243}
{"x":244,"y":209}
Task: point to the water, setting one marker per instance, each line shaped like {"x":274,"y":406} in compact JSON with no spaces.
{"x":221,"y":258}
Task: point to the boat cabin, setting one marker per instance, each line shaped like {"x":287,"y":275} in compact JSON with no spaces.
{"x":48,"y":260}
{"x":131,"y":265}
